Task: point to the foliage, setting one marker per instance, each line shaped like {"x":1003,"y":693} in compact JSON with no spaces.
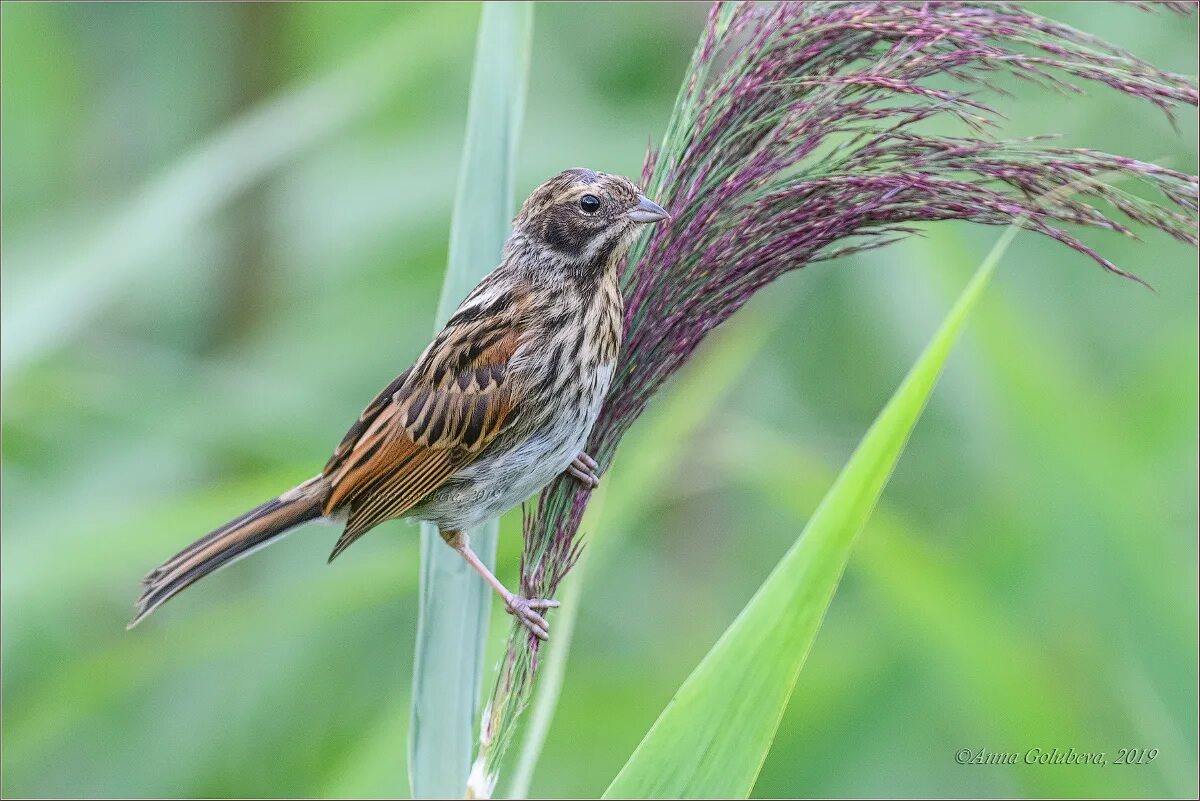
{"x":799,"y":136}
{"x":1029,"y":576}
{"x":710,"y":742}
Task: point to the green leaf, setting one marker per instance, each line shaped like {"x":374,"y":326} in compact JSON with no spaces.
{"x":454,"y":602}
{"x":713,"y":736}
{"x":996,"y":673}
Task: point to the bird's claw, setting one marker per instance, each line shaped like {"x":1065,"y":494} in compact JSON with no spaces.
{"x":584,"y":469}
{"x":524,"y":610}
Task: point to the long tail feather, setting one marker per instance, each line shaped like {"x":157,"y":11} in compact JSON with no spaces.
{"x":232,"y":541}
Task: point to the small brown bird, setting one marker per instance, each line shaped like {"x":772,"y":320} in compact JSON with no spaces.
{"x":500,"y":403}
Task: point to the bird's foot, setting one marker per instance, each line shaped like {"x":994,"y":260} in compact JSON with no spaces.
{"x":524,"y":610}
{"x":584,"y":468}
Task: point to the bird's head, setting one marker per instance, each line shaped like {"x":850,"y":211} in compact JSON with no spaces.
{"x":582,"y":217}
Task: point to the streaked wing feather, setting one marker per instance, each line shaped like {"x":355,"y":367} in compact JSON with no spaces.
{"x":365,"y":419}
{"x":430,"y":422}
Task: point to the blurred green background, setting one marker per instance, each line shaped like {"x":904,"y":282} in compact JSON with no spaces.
{"x":224,"y":228}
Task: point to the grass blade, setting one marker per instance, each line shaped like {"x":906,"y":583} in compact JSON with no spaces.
{"x":713,"y":736}
{"x":1001,"y":674}
{"x":454,"y":602}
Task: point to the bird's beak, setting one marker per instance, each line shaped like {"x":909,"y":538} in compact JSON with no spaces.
{"x":647,"y":211}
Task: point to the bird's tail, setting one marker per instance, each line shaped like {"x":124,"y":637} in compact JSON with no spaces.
{"x":237,"y":538}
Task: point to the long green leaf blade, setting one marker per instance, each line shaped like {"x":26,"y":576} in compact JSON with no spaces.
{"x":454,"y":602}
{"x":713,"y":736}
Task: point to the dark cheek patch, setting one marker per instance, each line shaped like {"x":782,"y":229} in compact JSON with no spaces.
{"x":563,"y":235}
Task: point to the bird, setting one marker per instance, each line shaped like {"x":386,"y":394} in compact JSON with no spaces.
{"x":499,"y":404}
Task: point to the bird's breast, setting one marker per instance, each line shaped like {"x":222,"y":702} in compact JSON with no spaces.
{"x":568,"y":374}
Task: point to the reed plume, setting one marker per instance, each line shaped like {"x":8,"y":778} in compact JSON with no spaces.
{"x":808,"y":131}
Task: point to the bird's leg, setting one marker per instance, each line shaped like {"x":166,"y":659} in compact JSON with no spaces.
{"x":524,"y":609}
{"x":584,"y":468}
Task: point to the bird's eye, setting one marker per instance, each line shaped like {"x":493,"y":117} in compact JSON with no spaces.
{"x":589,"y":204}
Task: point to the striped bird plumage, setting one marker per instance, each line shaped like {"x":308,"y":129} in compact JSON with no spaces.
{"x":498,"y":404}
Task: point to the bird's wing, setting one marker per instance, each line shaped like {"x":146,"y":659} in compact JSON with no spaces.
{"x":432,"y":420}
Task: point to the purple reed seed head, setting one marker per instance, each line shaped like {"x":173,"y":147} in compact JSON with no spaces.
{"x":798,"y":138}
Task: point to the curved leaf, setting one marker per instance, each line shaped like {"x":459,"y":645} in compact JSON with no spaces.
{"x":713,"y":736}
